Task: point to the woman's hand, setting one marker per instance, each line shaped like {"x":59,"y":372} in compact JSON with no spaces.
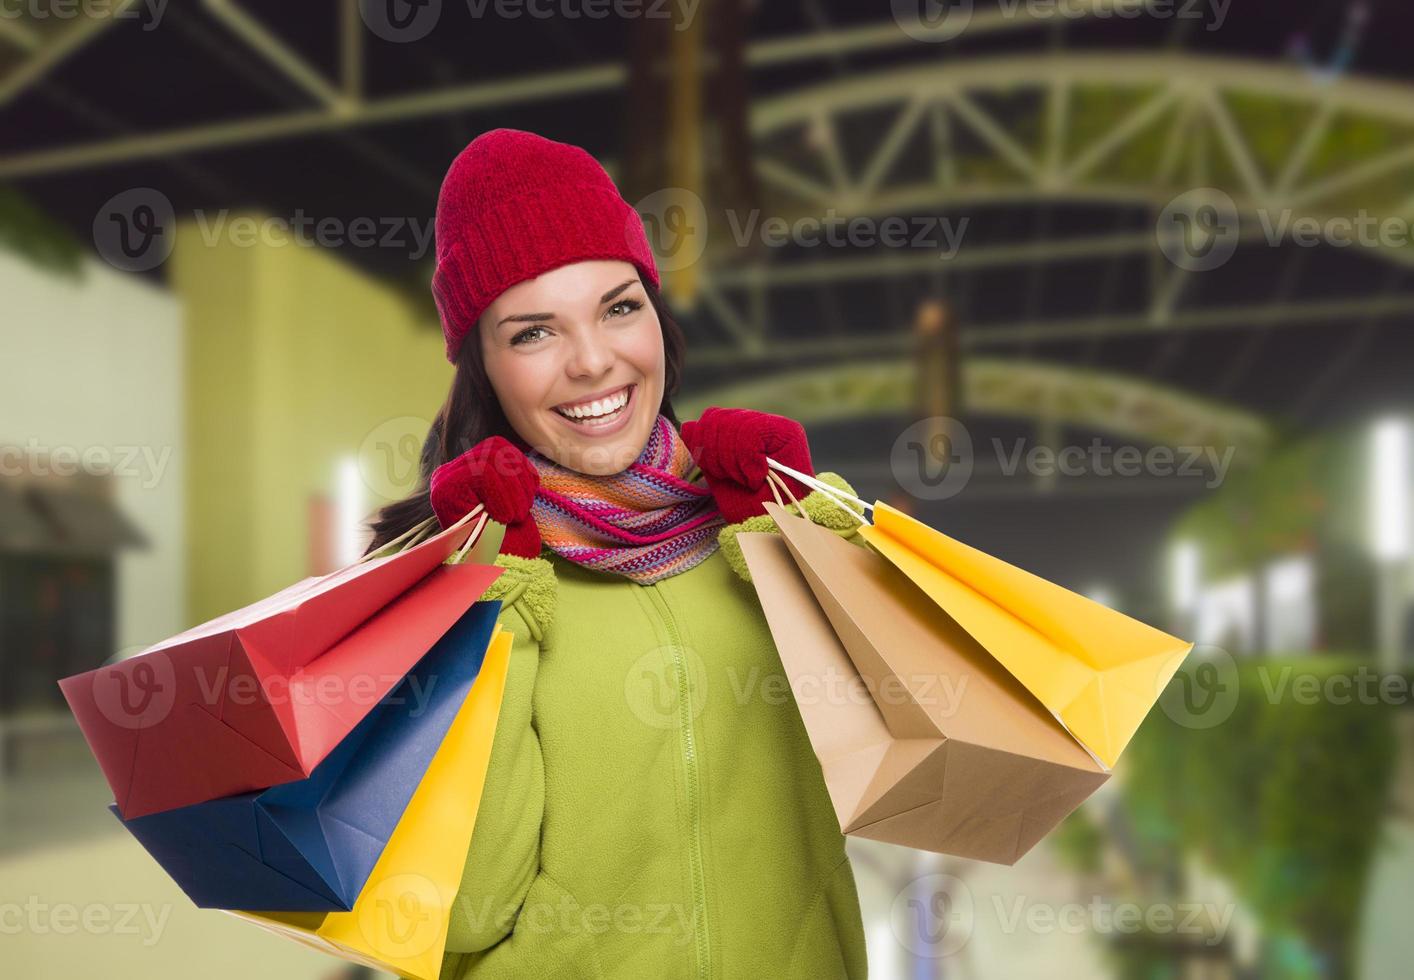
{"x":731,"y":446}
{"x":497,"y":474}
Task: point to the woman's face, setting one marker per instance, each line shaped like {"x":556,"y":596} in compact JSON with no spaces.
{"x":583,"y":341}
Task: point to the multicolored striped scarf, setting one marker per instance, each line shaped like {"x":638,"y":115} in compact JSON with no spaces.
{"x":646,"y":522}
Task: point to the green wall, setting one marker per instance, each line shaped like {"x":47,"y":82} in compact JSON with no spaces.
{"x":293,"y":357}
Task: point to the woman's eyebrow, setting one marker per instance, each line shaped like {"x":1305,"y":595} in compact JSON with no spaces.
{"x":541,"y":317}
{"x":616,"y":290}
{"x":524,"y":318}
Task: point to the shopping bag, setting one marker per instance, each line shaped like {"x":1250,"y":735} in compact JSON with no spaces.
{"x":399,"y":923}
{"x":310,"y":845}
{"x":244,"y":702}
{"x":1096,"y":669}
{"x":924,"y":740}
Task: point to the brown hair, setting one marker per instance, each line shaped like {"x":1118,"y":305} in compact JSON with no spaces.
{"x":471,"y":414}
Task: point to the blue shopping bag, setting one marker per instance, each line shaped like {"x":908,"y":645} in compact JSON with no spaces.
{"x":310,"y":845}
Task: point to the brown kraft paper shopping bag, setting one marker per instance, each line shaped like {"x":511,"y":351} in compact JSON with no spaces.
{"x":946,"y":751}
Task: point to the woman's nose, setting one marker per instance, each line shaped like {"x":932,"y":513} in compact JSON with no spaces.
{"x":591,"y":355}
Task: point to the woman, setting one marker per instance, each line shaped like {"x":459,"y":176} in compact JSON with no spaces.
{"x":653,"y":807}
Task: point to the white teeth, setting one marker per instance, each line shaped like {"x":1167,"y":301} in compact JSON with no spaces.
{"x":595,"y":409}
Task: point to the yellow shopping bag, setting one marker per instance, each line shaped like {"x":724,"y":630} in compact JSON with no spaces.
{"x":1097,"y":670}
{"x":399,"y":922}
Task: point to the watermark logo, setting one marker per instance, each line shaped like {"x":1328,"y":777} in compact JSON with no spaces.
{"x":399,"y":915}
{"x":1203,"y":691}
{"x":1198,"y":230}
{"x":932,"y":458}
{"x":932,"y":21}
{"x":390,"y":456}
{"x":933,"y":916}
{"x":675,"y":221}
{"x":654,"y":685}
{"x":401,"y":21}
{"x":136,"y":230}
{"x":140,"y":693}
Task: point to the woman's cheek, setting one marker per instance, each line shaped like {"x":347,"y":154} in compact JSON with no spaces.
{"x":645,"y":351}
{"x":522,"y":383}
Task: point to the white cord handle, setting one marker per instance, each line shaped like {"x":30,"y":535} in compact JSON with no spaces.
{"x":835,"y":494}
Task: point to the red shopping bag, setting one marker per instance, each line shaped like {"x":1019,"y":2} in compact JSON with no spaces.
{"x":260,"y":696}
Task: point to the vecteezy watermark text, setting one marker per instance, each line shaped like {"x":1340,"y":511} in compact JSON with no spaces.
{"x":86,"y":9}
{"x":939,"y":234}
{"x":1202,"y":462}
{"x":136,"y":230}
{"x":406,"y":21}
{"x":569,"y":917}
{"x":678,"y":225}
{"x":1199,"y":230}
{"x":409,"y":235}
{"x":935,"y":458}
{"x":936,"y":21}
{"x":144,"y":463}
{"x":41,"y":918}
{"x":935,"y":916}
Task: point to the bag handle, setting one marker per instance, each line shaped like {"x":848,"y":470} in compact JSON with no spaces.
{"x":777,"y":483}
{"x":834,"y":494}
{"x":415,"y":534}
{"x":472,"y":538}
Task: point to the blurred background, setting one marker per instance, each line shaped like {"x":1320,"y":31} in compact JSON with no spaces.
{"x":1119,"y":292}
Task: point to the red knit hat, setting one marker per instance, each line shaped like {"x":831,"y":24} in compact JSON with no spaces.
{"x":515,"y":205}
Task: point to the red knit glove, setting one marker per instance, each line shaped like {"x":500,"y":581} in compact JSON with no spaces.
{"x":495,"y":473}
{"x":731,"y":446}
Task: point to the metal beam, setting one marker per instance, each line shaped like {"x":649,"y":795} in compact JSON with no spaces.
{"x":922,"y":261}
{"x":874,"y":37}
{"x":526,"y":88}
{"x":1278,"y":80}
{"x":276,"y":52}
{"x":992,"y":133}
{"x":1122,"y":132}
{"x":1389,"y":100}
{"x":19,"y":35}
{"x":1061,"y":393}
{"x":55,"y":49}
{"x":1237,"y":150}
{"x":870,"y":342}
{"x":351,"y":30}
{"x":1245,"y":317}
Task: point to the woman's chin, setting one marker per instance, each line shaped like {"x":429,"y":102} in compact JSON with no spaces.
{"x":600,"y":456}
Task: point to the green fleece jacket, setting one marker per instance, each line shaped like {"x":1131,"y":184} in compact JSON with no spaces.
{"x":653,"y":807}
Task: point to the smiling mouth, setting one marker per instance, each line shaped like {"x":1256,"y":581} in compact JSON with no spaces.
{"x":601,"y":411}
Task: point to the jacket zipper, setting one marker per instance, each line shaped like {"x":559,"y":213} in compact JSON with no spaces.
{"x":688,"y":742}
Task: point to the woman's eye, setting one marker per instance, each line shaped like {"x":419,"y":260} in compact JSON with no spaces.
{"x":625,"y":306}
{"x":524,"y":336}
